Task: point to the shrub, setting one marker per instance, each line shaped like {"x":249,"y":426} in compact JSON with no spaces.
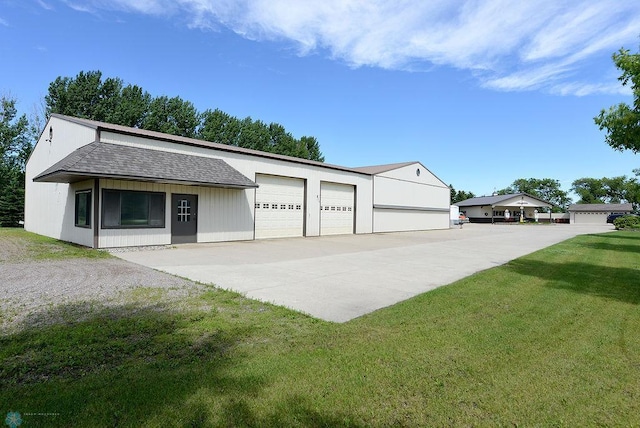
{"x":627,"y":222}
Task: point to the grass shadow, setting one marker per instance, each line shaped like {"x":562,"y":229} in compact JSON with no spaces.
{"x":115,"y":365}
{"x":87,"y":364}
{"x":294,"y":411}
{"x":606,"y":246}
{"x":621,"y":234}
{"x":622,"y":284}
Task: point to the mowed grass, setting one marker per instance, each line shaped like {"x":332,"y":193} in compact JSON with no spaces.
{"x":550,"y":339}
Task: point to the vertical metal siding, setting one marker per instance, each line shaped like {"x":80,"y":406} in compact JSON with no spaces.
{"x":386,"y":220}
{"x":48,"y":210}
{"x":250,"y":165}
{"x":223,"y":215}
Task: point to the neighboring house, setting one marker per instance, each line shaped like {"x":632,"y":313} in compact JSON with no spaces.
{"x":501,"y":208}
{"x":596,"y":213}
{"x":103,"y":185}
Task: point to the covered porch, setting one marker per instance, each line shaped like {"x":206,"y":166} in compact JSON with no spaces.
{"x":512,"y":208}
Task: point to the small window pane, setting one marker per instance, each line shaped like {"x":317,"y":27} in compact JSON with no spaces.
{"x":111,"y":208}
{"x":83,"y":209}
{"x":156,"y":209}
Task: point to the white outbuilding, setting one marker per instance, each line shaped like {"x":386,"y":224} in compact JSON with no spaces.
{"x":103,"y":185}
{"x":596,"y":213}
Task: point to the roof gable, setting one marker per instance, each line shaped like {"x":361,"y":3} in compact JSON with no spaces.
{"x":401,"y":171}
{"x":378,"y":169}
{"x":513,"y":199}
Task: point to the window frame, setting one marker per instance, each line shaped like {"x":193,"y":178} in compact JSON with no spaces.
{"x":149,"y":209}
{"x":88,"y":208}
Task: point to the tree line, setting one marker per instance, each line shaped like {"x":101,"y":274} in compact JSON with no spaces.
{"x":89,"y":96}
{"x":17,"y":136}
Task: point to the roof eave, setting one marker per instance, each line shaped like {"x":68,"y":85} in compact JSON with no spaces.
{"x":76,"y":176}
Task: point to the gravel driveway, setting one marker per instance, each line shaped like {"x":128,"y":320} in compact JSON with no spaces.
{"x":31,"y":288}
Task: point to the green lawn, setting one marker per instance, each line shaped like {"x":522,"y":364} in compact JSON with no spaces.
{"x":17,"y":245}
{"x":551,"y":339}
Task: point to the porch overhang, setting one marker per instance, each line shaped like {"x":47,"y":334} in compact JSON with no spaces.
{"x":115,"y":161}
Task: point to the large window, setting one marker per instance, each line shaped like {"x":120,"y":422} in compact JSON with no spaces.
{"x":83,"y":208}
{"x":130,"y":209}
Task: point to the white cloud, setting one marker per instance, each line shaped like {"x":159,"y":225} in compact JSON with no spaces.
{"x":582,"y":89}
{"x":3,"y":22}
{"x":45,"y":5}
{"x":533,"y":44}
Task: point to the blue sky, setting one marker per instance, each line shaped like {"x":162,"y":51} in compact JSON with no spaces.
{"x":480,"y":92}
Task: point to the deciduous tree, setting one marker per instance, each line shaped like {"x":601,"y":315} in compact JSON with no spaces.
{"x":172,"y":116}
{"x":16,"y":137}
{"x":606,"y":190}
{"x":90,"y":96}
{"x":460,"y":195}
{"x":622,"y":122}
{"x":547,"y":189}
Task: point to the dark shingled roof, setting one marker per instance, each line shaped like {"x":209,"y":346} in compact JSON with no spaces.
{"x":106,"y":160}
{"x":492,"y":200}
{"x":143,"y":133}
{"x":601,"y":207}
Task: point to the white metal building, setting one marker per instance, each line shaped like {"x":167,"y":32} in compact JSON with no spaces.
{"x":596,"y":213}
{"x":103,"y":185}
{"x":492,"y":209}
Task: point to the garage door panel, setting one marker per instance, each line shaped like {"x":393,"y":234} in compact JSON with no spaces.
{"x":279,"y":209}
{"x":337,"y":208}
{"x":591,"y":217}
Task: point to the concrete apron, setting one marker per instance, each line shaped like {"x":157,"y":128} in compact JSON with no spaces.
{"x":338,"y":278}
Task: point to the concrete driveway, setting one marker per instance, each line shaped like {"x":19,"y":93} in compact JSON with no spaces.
{"x":338,"y":278}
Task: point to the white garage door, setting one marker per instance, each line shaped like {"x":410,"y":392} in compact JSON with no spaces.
{"x":591,"y":218}
{"x":336,"y":208}
{"x":279,"y":207}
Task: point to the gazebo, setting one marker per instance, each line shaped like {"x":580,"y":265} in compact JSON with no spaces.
{"x":515,"y":207}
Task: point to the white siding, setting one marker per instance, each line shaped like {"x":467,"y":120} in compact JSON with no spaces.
{"x":251,"y":165}
{"x":71,"y":233}
{"x":410,"y":173}
{"x":407,"y":200}
{"x":223,"y":215}
{"x":49,"y":207}
{"x":397,"y":193}
{"x":389,"y":220}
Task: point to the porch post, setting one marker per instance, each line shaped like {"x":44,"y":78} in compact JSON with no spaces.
{"x":96,"y":211}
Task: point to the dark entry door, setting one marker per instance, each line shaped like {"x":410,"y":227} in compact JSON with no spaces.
{"x":184,"y":218}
